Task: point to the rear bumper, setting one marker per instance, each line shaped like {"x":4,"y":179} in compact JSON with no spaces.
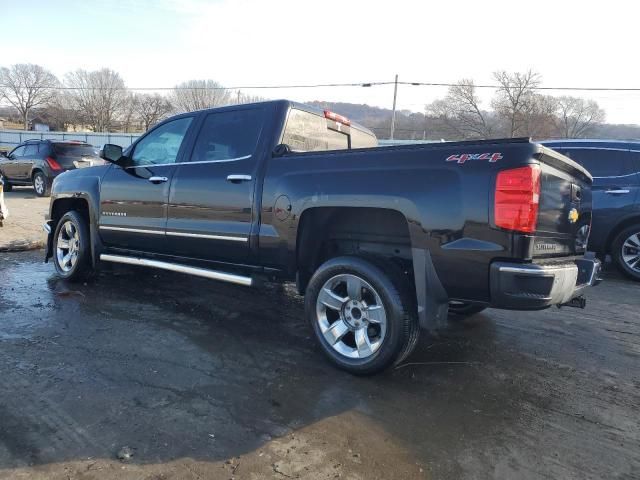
{"x":517,"y":286}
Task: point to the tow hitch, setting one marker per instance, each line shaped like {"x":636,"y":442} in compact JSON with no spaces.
{"x":577,"y":302}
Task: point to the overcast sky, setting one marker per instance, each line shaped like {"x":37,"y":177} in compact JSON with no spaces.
{"x":251,"y":42}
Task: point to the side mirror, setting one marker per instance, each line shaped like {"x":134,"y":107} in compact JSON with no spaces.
{"x":281,"y":150}
{"x":4,"y":154}
{"x":111,"y":153}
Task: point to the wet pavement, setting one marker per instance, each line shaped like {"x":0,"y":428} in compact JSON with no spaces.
{"x":207,"y":380}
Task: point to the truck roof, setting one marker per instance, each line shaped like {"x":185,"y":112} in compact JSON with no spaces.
{"x":290,"y":104}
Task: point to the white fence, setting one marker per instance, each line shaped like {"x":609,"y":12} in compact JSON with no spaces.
{"x":11,"y":138}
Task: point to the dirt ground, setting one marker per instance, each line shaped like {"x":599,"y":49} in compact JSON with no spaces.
{"x":23,"y":229}
{"x":202,"y":380}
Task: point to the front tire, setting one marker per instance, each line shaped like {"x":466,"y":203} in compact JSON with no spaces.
{"x":41,"y":185}
{"x":71,"y":247}
{"x":363,"y":314}
{"x":625,"y":251}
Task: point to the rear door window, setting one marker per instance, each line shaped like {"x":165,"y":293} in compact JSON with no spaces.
{"x":601,"y":162}
{"x":228,"y":136}
{"x":31,"y":150}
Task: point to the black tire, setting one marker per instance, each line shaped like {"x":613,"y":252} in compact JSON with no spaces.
{"x":7,"y":186}
{"x":464,"y":309}
{"x":82,"y":267}
{"x":395,"y":293}
{"x":41,"y":185}
{"x":618,"y":248}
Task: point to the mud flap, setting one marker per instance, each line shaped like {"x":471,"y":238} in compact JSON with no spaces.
{"x":432,"y":299}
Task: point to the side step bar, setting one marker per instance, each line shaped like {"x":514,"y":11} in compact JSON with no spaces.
{"x":176,"y":267}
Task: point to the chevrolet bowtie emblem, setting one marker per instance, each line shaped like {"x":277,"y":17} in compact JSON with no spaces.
{"x":573,"y":215}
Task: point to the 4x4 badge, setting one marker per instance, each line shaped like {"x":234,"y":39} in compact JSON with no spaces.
{"x":463,"y":157}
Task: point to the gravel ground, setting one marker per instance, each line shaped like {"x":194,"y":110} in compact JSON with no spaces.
{"x":202,"y":380}
{"x":23,"y":229}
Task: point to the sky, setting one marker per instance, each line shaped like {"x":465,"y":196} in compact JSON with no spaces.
{"x":283,"y":42}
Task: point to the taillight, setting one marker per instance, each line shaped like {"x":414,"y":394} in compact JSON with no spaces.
{"x":53,"y":164}
{"x":517,"y":199}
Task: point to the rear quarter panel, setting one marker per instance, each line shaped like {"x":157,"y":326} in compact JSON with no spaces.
{"x":446,"y":204}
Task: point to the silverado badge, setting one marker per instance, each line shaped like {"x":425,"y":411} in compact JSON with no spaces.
{"x":573,"y":215}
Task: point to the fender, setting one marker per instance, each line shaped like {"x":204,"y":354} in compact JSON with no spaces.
{"x":81,"y":184}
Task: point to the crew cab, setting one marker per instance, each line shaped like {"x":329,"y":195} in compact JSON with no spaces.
{"x":382,"y":241}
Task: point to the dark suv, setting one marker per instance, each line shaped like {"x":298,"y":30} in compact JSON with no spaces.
{"x":38,"y":162}
{"x":615,"y":167}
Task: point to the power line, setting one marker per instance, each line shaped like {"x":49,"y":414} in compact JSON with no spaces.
{"x":352,"y":84}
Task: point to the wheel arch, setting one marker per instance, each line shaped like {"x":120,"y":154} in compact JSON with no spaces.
{"x":627,"y":222}
{"x":60,"y":206}
{"x":325,"y":232}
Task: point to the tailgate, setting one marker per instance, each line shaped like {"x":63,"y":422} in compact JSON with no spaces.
{"x":564,"y":214}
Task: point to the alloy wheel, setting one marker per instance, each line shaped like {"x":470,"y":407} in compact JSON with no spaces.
{"x":631,"y":252}
{"x":38,"y":184}
{"x":351,"y":316}
{"x":67,"y":246}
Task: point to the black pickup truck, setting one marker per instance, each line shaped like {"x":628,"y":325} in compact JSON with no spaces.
{"x":380,"y":240}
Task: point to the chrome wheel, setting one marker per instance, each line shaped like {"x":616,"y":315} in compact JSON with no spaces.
{"x":67,"y":246}
{"x":351,"y":316}
{"x":631,"y":252}
{"x":38,"y":184}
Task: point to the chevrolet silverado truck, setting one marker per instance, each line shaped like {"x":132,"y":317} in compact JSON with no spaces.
{"x":382,"y":241}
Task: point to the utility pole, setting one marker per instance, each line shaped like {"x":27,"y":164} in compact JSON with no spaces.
{"x":393,"y":115}
{"x":238,"y":96}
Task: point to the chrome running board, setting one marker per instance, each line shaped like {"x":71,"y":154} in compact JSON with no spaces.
{"x":176,"y":267}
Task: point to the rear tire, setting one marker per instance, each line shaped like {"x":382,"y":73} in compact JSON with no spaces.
{"x":41,"y":185}
{"x":363,"y":313}
{"x":625,"y":251}
{"x":72,"y":247}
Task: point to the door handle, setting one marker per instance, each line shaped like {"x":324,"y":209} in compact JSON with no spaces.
{"x":616,"y":191}
{"x":158,"y":179}
{"x":238,"y":178}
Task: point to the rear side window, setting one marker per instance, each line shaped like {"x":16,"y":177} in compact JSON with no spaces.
{"x":306,"y":132}
{"x":360,"y":139}
{"x":70,"y":149}
{"x":31,"y":150}
{"x":602,"y":163}
{"x":227,"y":136}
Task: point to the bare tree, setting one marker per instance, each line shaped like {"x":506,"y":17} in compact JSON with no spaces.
{"x":27,"y":86}
{"x":99,"y":96}
{"x":129,"y":112}
{"x":460,"y":111}
{"x":60,"y":112}
{"x":514,"y":99}
{"x":246,"y":98}
{"x":577,"y":116}
{"x":539,"y":116}
{"x":199,"y":94}
{"x":152,"y":108}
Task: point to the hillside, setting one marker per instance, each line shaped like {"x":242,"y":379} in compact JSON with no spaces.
{"x":417,"y":126}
